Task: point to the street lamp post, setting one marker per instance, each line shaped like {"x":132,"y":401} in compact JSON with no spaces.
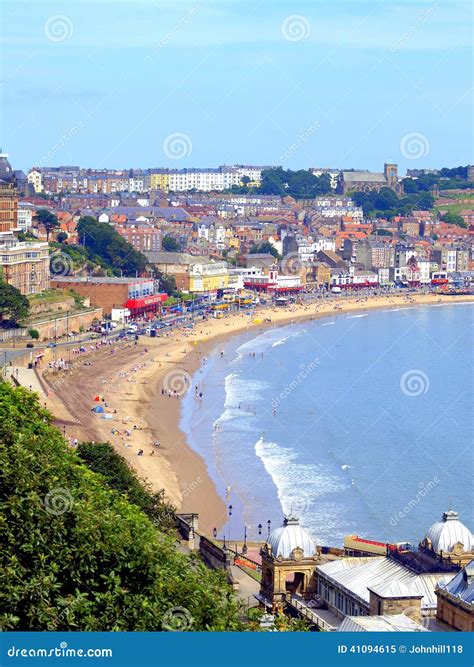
{"x":244,"y":548}
{"x":230,"y":508}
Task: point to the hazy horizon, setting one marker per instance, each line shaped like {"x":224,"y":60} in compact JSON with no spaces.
{"x":307,"y":84}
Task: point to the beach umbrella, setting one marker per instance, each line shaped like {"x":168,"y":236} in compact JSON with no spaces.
{"x":98,"y":408}
{"x":97,"y":398}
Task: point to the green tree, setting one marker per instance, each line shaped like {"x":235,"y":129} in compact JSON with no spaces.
{"x":170,"y":244}
{"x":14,"y":306}
{"x":102,"y":241}
{"x":265,"y":247}
{"x":167,"y":282}
{"x":78,"y":555}
{"x":47,"y":219}
{"x":301,"y":183}
{"x":103,"y":459}
{"x":61,"y":237}
{"x":385,"y":199}
{"x":454,"y":219}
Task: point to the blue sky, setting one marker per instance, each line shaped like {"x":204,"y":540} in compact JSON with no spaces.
{"x":104,"y":83}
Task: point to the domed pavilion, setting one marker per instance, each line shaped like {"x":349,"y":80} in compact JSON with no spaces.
{"x":289,"y":558}
{"x":450,"y":539}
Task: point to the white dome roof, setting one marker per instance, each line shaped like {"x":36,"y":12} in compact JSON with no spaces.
{"x":448,"y":532}
{"x":290,"y":536}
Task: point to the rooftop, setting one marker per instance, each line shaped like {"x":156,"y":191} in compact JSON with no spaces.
{"x":357,"y":574}
{"x":106,"y":280}
{"x":395,"y":623}
{"x":368,"y":176}
{"x":290,"y":536}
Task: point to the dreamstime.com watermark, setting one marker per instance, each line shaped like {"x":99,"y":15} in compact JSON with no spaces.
{"x":305,"y":371}
{"x":61,"y":651}
{"x":292,"y":264}
{"x":58,"y":28}
{"x":177,"y":146}
{"x":177,"y":619}
{"x":176,"y":382}
{"x":423,"y":490}
{"x":191,"y":487}
{"x":301,"y":139}
{"x":177,"y":27}
{"x":60,"y":264}
{"x":425,"y":15}
{"x":65,"y":138}
{"x":414,"y":382}
{"x":414,"y":146}
{"x":295,"y":28}
{"x":58,"y":501}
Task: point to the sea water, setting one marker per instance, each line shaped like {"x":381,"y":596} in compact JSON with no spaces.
{"x":356,"y":423}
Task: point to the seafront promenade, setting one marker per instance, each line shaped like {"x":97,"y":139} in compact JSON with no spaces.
{"x":130,"y":376}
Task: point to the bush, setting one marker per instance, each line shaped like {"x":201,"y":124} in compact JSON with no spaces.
{"x":102,"y":458}
{"x":34,"y":334}
{"x":76,"y":555}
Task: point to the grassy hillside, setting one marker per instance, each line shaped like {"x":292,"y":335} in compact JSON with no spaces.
{"x":77,"y":554}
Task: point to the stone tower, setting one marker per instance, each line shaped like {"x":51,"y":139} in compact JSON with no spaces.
{"x":390,"y":171}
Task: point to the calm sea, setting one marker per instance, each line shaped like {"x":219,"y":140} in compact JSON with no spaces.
{"x":358,"y":423}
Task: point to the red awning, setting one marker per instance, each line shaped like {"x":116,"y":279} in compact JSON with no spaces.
{"x":152,"y":300}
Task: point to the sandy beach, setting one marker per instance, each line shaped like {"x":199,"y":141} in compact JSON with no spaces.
{"x":140,"y":387}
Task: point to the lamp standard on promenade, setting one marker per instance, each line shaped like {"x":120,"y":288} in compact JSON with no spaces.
{"x":230,"y":508}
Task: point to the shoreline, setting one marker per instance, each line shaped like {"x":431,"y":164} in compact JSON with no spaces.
{"x":131,"y":378}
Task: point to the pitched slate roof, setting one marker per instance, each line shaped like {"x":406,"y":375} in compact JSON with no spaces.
{"x":357,"y":574}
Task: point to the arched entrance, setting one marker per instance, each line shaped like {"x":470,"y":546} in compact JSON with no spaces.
{"x":295,"y":582}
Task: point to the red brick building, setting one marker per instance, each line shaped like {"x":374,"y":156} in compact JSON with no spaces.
{"x":139,"y":295}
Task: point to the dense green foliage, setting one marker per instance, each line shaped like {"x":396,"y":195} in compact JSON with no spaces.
{"x":103,"y":459}
{"x":103,"y":241}
{"x":445,"y":179}
{"x":14,"y":306}
{"x":78,"y":259}
{"x":299,"y":184}
{"x":454,"y":219}
{"x":264,"y":247}
{"x":387,"y":204}
{"x":47,"y":219}
{"x":169,"y":243}
{"x":77,"y":555}
{"x":167,"y":282}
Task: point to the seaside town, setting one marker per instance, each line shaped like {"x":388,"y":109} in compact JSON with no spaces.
{"x":125,"y":280}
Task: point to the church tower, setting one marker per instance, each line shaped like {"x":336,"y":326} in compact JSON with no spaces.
{"x":390,"y":171}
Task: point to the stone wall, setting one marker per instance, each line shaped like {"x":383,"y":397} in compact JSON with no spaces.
{"x":187,"y":526}
{"x":458,"y":616}
{"x":101,"y":295}
{"x":59,"y":326}
{"x":67,"y":303}
{"x":411,"y":607}
{"x":214,"y":555}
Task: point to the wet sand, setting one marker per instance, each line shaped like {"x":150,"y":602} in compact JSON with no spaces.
{"x":131,"y":380}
